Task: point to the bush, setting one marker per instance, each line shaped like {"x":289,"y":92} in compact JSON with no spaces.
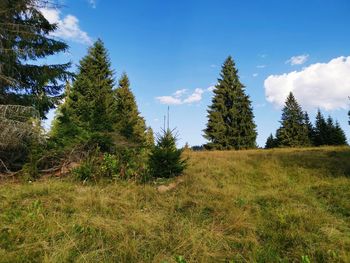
{"x":126,"y":163}
{"x":165,"y":159}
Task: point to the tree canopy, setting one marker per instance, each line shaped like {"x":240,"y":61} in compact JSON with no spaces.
{"x":25,"y":38}
{"x":230,"y":116}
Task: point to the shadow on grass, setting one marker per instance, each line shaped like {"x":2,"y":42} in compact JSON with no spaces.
{"x":327,"y":162}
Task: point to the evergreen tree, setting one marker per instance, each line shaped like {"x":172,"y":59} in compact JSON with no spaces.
{"x":293,"y":132}
{"x":271,"y":142}
{"x":24,"y":39}
{"x":338,"y":135}
{"x":321,"y":130}
{"x":129,"y":123}
{"x":165,"y":159}
{"x":230,"y":117}
{"x":335,"y":135}
{"x":310,"y":128}
{"x":149,"y":137}
{"x":330,"y":140}
{"x":89,"y":102}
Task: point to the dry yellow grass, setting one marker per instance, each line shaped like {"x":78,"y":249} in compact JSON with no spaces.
{"x":246,"y":206}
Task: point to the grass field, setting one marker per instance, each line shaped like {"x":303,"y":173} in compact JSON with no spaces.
{"x":289,"y":205}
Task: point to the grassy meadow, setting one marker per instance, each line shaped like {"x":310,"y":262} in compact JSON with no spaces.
{"x":282,"y":205}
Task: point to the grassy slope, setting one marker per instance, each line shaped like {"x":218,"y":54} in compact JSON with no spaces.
{"x":263,"y":206}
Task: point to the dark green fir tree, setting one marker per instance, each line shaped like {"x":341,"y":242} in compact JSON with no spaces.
{"x":25,"y":38}
{"x":310,"y":129}
{"x":230,"y":117}
{"x":271,"y":142}
{"x":321,"y":130}
{"x":338,"y":135}
{"x":128,"y":122}
{"x":90,"y":100}
{"x":293,"y":131}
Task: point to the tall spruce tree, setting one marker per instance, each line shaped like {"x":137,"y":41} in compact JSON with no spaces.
{"x":89,"y":102}
{"x":128,"y":122}
{"x":310,"y":128}
{"x":321,"y":129}
{"x":330,"y":140}
{"x":230,"y":117}
{"x":24,"y":38}
{"x":293,"y":131}
{"x":338,"y":135}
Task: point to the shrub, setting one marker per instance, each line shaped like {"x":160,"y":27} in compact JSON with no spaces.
{"x":165,"y":159}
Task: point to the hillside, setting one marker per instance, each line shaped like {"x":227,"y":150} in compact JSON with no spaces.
{"x":259,"y":205}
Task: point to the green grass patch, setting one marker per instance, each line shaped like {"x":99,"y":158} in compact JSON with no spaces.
{"x":281,"y":205}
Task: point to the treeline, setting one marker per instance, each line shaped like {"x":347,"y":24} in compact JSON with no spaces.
{"x":297,"y":130}
{"x":231,"y":120}
{"x":97,"y":131}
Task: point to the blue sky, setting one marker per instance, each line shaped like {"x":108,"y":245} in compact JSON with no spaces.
{"x":170,"y":46}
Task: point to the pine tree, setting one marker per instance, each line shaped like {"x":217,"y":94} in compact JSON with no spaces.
{"x":310,"y":128}
{"x":271,"y":142}
{"x":89,"y":102}
{"x":321,"y":130}
{"x":165,"y":159}
{"x":293,"y":132}
{"x":24,"y":39}
{"x":128,"y":122}
{"x":230,"y":117}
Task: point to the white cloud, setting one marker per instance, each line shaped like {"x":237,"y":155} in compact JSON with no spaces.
{"x":261,"y":66}
{"x":213,"y":66}
{"x":255,"y":75}
{"x":297,"y":60}
{"x":196,"y":96}
{"x":179,"y":97}
{"x":323,"y":85}
{"x":169,"y":100}
{"x":68,"y":26}
{"x":179,"y":93}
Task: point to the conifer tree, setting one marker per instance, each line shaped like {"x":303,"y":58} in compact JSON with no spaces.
{"x":149,"y":137}
{"x":271,"y":142}
{"x":321,"y":130}
{"x":230,"y":117}
{"x":293,"y":132}
{"x":329,"y":131}
{"x":89,"y":101}
{"x":310,"y":128}
{"x":165,"y":159}
{"x":338,"y":135}
{"x":24,"y":39}
{"x":128,"y":122}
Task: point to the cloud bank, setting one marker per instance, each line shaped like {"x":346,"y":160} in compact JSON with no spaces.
{"x":320,"y":85}
{"x":68,"y":26}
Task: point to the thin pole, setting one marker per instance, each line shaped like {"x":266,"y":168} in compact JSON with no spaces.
{"x":164,"y":122}
{"x":168,"y":117}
